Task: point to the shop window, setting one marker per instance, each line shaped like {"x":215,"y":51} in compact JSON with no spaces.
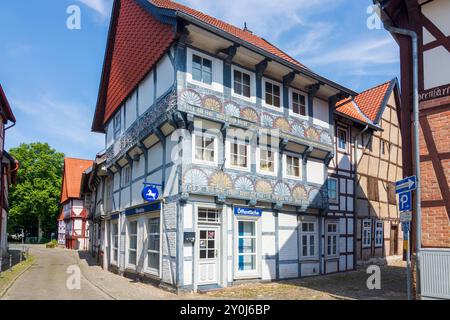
{"x":379,"y":234}
{"x":153,"y":244}
{"x":332,"y":238}
{"x":208,"y":215}
{"x":367,"y":233}
{"x":246,"y":246}
{"x":132,"y":242}
{"x":308,"y":239}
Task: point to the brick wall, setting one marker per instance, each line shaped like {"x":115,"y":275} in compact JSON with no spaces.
{"x":435,"y":219}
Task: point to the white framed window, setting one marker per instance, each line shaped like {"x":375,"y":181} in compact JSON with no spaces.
{"x":332,"y":239}
{"x":114,"y":242}
{"x":243,"y":84}
{"x":153,"y":244}
{"x":298,"y":103}
{"x":205,"y":148}
{"x":126,"y":175}
{"x":237,"y":154}
{"x":273,"y":94}
{"x":308,"y":239}
{"x":379,"y":233}
{"x":117,"y":124}
{"x":204,"y":70}
{"x":342,"y":139}
{"x":247,"y":245}
{"x":267,"y":160}
{"x":208,"y":215}
{"x":332,"y":189}
{"x":132,"y":234}
{"x":367,"y":233}
{"x":292,"y":166}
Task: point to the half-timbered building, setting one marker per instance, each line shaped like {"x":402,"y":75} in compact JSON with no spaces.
{"x":8,"y":169}
{"x":72,"y":219}
{"x":430,"y":21}
{"x":230,"y":138}
{"x":368,"y":161}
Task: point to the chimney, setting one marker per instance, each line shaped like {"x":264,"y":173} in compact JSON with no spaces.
{"x":247,"y":29}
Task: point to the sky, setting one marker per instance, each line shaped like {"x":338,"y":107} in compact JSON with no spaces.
{"x":51,"y":73}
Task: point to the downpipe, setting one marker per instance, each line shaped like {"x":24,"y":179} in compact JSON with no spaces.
{"x":415,"y":72}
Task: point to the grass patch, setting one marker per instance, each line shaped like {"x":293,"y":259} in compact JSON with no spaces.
{"x":8,"y":276}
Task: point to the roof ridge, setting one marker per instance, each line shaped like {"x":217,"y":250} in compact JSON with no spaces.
{"x":74,"y":158}
{"x":377,"y":86}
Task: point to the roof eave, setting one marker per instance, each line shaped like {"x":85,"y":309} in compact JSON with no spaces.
{"x":273,"y":57}
{"x":371,"y":125}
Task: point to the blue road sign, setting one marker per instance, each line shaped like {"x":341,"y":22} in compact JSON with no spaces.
{"x":407,"y":184}
{"x":405,"y":201}
{"x":150,"y":193}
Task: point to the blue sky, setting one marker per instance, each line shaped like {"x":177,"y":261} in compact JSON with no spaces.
{"x":51,"y":74}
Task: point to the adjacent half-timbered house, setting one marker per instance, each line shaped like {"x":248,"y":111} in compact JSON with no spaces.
{"x":8,"y":169}
{"x":369,"y":161}
{"x":73,"y":209}
{"x":429,"y":19}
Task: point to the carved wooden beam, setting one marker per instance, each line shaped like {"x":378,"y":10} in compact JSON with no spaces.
{"x":261,"y":67}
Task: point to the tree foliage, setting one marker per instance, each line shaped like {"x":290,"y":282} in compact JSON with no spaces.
{"x":34,"y":200}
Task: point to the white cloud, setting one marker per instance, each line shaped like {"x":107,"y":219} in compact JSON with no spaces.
{"x":64,"y":125}
{"x":102,"y":7}
{"x":366,"y":52}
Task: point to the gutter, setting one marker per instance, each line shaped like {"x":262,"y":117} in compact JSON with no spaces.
{"x":273,"y":57}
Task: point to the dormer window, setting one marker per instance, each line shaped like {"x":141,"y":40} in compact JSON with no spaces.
{"x":242,"y":84}
{"x":201,"y":69}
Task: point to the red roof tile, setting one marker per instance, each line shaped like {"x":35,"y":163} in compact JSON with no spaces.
{"x":367,"y":105}
{"x":235,"y":31}
{"x":71,"y":183}
{"x":137,"y":41}
{"x":371,"y":100}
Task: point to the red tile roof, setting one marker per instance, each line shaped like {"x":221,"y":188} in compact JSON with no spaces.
{"x":71,"y":183}
{"x":136,"y":42}
{"x":235,"y":31}
{"x":5,"y":107}
{"x":367,"y":105}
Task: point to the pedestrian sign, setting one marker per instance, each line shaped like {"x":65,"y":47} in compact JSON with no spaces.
{"x":405,"y":201}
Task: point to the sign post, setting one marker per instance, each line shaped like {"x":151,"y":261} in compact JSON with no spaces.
{"x":404,"y":189}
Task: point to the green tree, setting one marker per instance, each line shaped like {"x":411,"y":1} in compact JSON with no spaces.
{"x":34,"y":200}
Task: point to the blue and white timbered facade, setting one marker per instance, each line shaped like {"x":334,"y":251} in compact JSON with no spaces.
{"x":239,"y":146}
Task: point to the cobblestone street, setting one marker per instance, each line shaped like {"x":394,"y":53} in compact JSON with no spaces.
{"x":46,"y":279}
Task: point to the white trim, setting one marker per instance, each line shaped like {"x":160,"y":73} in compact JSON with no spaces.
{"x":127,"y":242}
{"x":264,"y":81}
{"x":258,"y":162}
{"x":377,"y":228}
{"x":250,"y":274}
{"x":217,"y":71}
{"x":346,"y":139}
{"x":216,"y":149}
{"x":228,"y":164}
{"x":285,"y":165}
{"x":252,"y":84}
{"x":364,"y":244}
{"x":332,"y":234}
{"x":314,"y":221}
{"x":147,"y":269}
{"x":291,"y":103}
{"x":114,"y":261}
